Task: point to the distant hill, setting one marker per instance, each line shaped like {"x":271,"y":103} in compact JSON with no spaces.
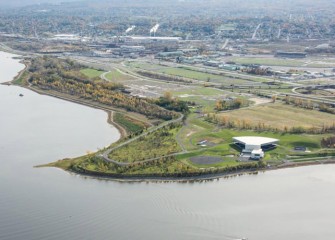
{"x":22,"y":3}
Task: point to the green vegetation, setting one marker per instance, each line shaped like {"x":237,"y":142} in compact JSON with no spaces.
{"x":160,"y":144}
{"x":157,"y":144}
{"x":164,"y":167}
{"x":116,"y":76}
{"x":189,"y":73}
{"x":328,"y":142}
{"x":287,"y":142}
{"x":203,"y":96}
{"x":21,"y":79}
{"x":131,"y":125}
{"x":91,"y":73}
{"x":178,"y":151}
{"x":230,"y":104}
{"x":172,"y":104}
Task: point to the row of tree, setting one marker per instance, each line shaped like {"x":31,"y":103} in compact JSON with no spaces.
{"x":229,"y":104}
{"x":163,"y":77}
{"x":308,"y":104}
{"x":328,"y":142}
{"x":245,"y":124}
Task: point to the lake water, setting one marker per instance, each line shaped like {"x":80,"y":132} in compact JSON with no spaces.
{"x":48,"y":203}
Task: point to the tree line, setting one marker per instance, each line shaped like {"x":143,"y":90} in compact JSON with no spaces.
{"x":246,"y":124}
{"x":64,"y":76}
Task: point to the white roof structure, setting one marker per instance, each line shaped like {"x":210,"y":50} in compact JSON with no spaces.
{"x":253,"y":145}
{"x":261,"y":141}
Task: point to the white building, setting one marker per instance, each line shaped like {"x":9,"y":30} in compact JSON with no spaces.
{"x":254,"y":147}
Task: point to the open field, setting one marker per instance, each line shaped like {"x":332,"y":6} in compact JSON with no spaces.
{"x":201,"y":95}
{"x":157,"y":144}
{"x":91,"y":73}
{"x":152,"y":89}
{"x":117,"y":76}
{"x":279,"y":116}
{"x":225,"y":148}
{"x":130,"y":124}
{"x":225,"y":79}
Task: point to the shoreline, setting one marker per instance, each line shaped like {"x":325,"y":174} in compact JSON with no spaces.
{"x":109,"y":110}
{"x":205,"y":177}
{"x":123,"y":133}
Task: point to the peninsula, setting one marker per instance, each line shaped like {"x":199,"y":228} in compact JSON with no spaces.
{"x":188,"y":131}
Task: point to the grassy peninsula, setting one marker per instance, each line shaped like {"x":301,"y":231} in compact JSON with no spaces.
{"x":162,"y":135}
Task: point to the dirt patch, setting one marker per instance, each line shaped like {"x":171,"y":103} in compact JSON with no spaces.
{"x":206,"y":160}
{"x":190,"y":133}
{"x":259,"y":101}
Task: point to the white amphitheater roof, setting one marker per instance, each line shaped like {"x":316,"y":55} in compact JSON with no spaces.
{"x":255,"y":140}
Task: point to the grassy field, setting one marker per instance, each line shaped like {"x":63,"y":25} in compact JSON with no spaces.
{"x":225,"y":79}
{"x":204,"y":96}
{"x":91,"y":73}
{"x":279,"y":116}
{"x":202,"y":76}
{"x":196,"y":129}
{"x":116,"y":76}
{"x":224,"y":146}
{"x":131,"y":125}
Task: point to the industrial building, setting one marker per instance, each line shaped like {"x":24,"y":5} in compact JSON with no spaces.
{"x":254,"y":147}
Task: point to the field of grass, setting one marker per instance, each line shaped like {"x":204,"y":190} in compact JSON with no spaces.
{"x":116,"y":76}
{"x":287,"y":142}
{"x":22,"y":79}
{"x":91,"y":73}
{"x":202,"y":76}
{"x":204,"y":96}
{"x":321,"y":64}
{"x":196,"y":129}
{"x":280,"y":115}
{"x":226,"y":79}
{"x":157,"y":144}
{"x":131,"y":125}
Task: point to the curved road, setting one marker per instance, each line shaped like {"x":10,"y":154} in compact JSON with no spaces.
{"x":105,"y":154}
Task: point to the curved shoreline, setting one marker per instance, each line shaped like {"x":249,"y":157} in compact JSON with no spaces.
{"x":109,"y":110}
{"x":205,"y":177}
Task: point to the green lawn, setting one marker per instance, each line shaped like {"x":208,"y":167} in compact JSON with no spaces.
{"x":116,"y":76}
{"x":157,"y":144}
{"x":196,"y":130}
{"x":185,"y":72}
{"x":91,"y":73}
{"x":131,"y":125}
{"x":204,"y":96}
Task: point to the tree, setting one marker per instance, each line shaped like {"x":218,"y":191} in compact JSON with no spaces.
{"x":168,"y":95}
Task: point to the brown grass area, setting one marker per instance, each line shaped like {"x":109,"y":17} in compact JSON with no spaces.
{"x":279,"y":115}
